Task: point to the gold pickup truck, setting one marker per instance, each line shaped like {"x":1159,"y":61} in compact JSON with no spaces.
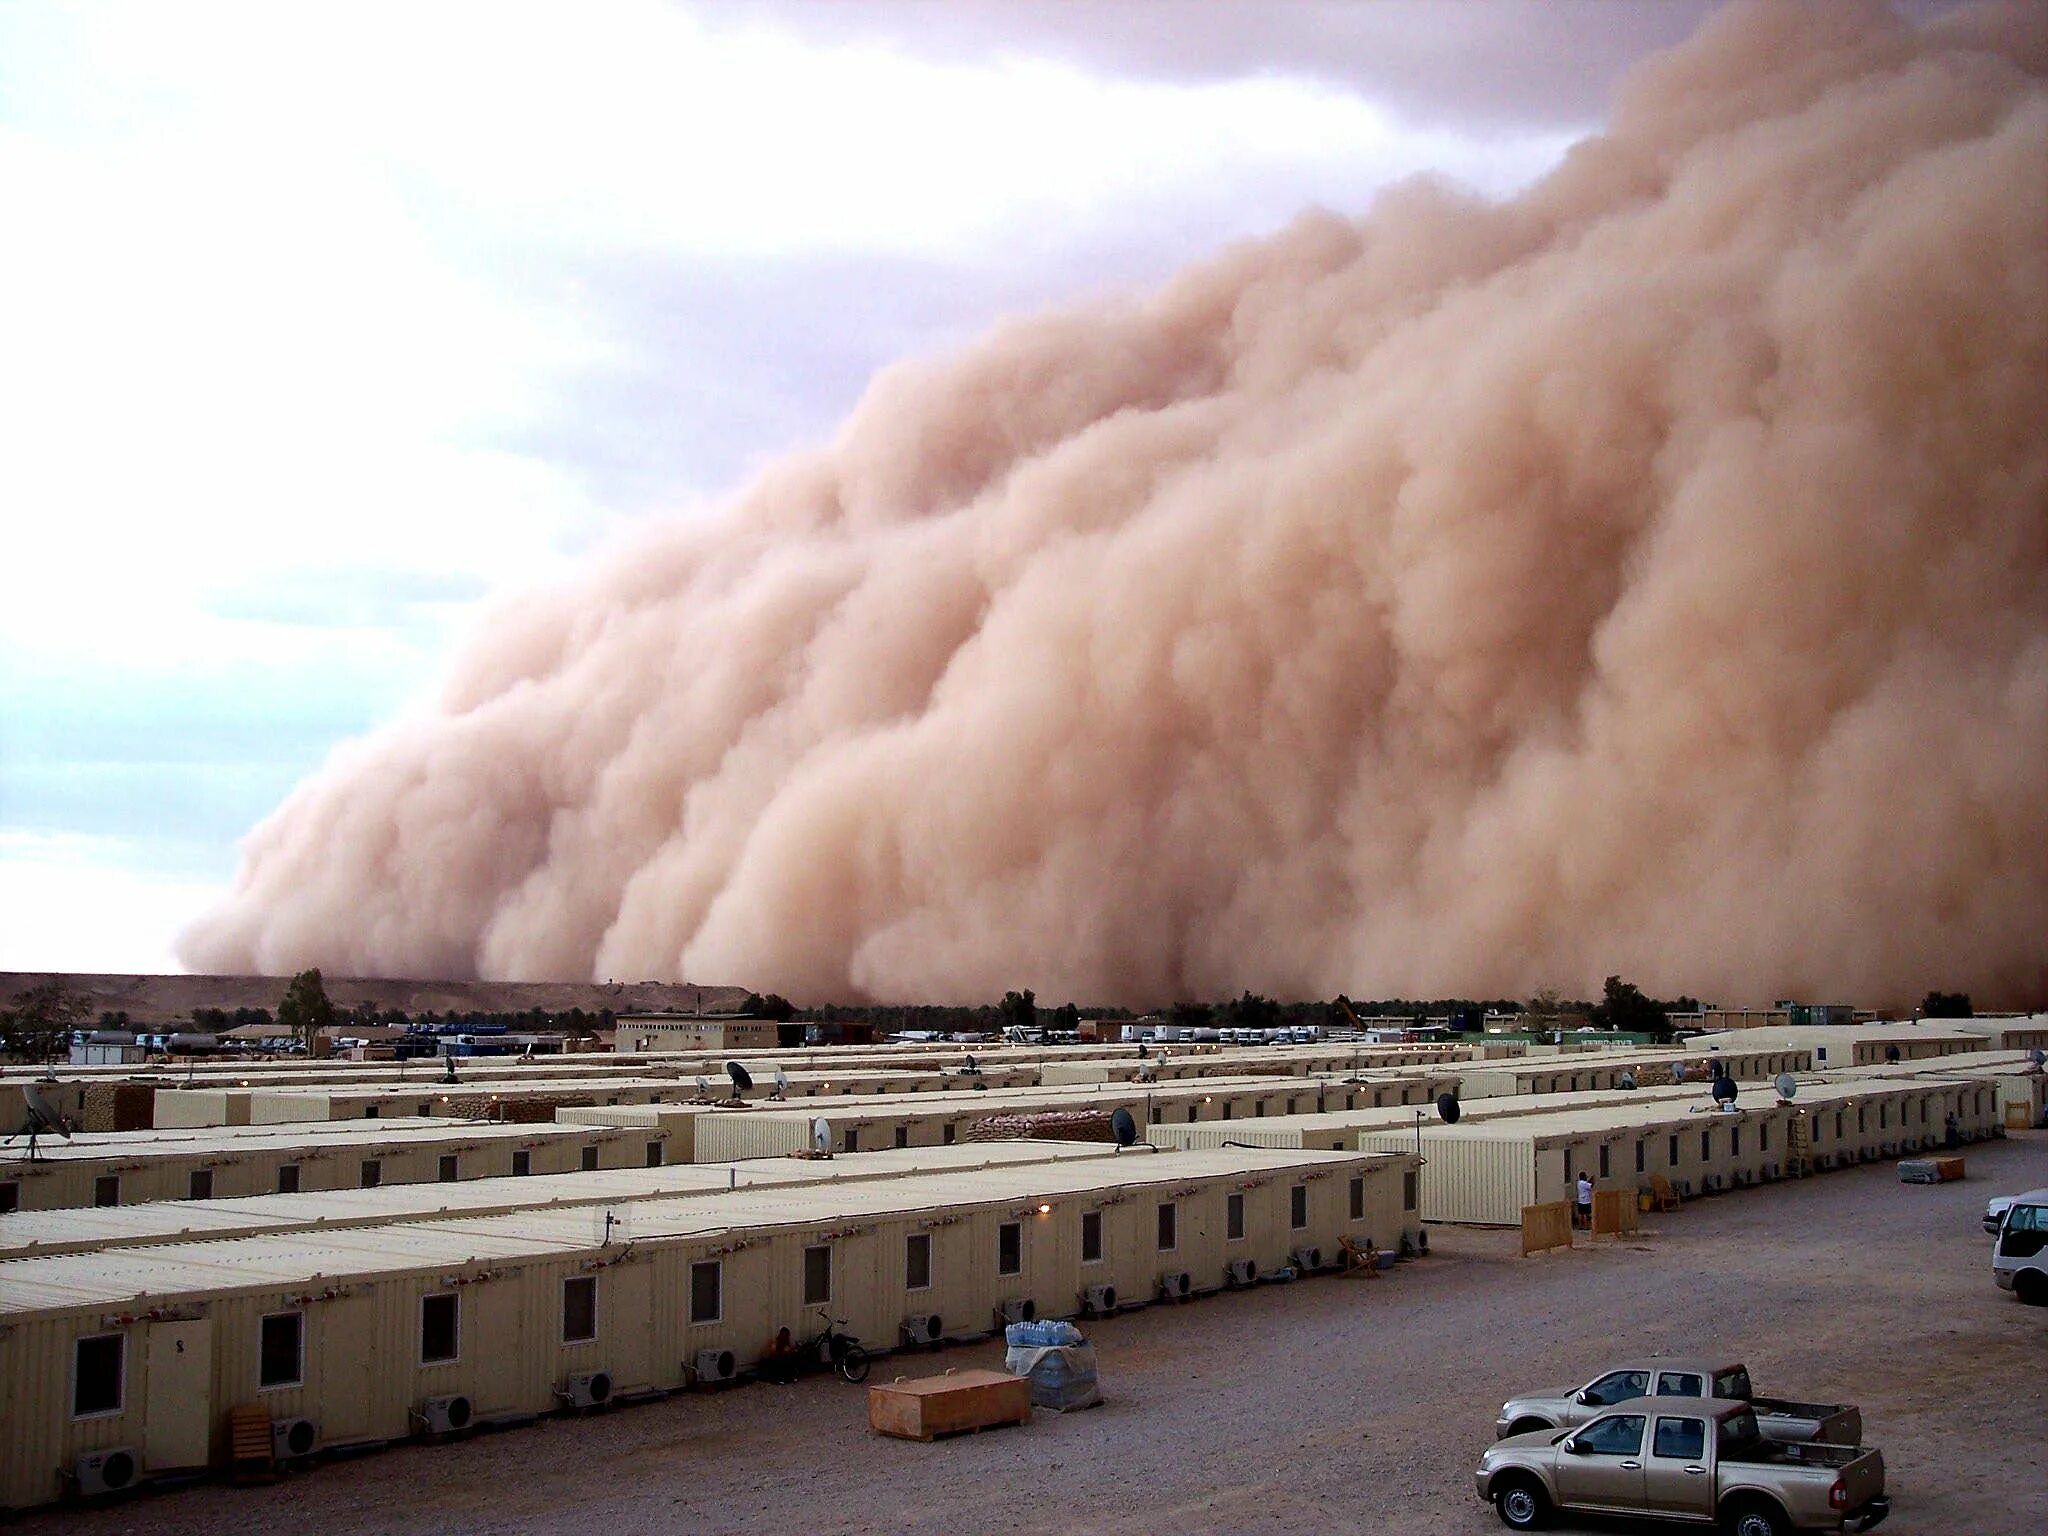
{"x":1777,"y":1418}
{"x":1696,"y":1459}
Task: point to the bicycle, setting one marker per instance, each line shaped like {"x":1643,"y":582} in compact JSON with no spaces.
{"x":836,"y":1351}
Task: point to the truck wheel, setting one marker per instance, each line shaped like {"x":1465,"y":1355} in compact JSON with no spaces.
{"x":1521,"y":1504}
{"x":1756,"y":1517}
{"x":2031,"y":1287}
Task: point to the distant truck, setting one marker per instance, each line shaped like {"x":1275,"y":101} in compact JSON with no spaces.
{"x":1700,"y":1460}
{"x":1777,"y":1418}
{"x":2019,"y":1259}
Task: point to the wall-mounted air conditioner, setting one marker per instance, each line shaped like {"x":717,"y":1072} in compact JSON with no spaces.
{"x":1020,"y":1309}
{"x":446,"y":1415}
{"x":714,"y":1366}
{"x":102,"y":1472}
{"x":591,"y":1389}
{"x":1177,"y":1286}
{"x":1098,"y":1300}
{"x":923,"y":1328}
{"x":1241,"y":1272}
{"x":292,"y":1438}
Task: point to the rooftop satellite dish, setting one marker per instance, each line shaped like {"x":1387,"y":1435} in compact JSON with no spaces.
{"x":973,"y":1065}
{"x":1891,"y":1053}
{"x":781,"y":1083}
{"x":1447,"y":1108}
{"x":1141,"y":1050}
{"x":1717,"y":1070}
{"x":704,"y":1086}
{"x":1725,"y":1090}
{"x":821,"y":1135}
{"x":1626,"y":1080}
{"x":1123,"y":1127}
{"x":742,"y":1080}
{"x":1678,"y":1072}
{"x":1787,"y":1086}
{"x":39,"y":1115}
{"x":2038,"y":1057}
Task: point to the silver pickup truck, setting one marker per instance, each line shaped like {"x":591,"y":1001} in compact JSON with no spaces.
{"x":1701,"y":1460}
{"x":1779,"y":1418}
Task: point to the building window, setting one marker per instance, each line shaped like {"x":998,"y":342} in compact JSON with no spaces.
{"x":1763,"y":1138}
{"x":1233,"y":1219}
{"x":1010,"y":1248}
{"x":201,"y":1184}
{"x":853,"y":1138}
{"x":917,"y":1262}
{"x":947,"y":1133}
{"x":372,"y":1173}
{"x":106,"y":1189}
{"x":1358,"y":1199}
{"x":451,"y":1167}
{"x":654,"y":1154}
{"x":1158,"y":1116}
{"x":288,"y":1179}
{"x":1706,"y":1145}
{"x":1226,"y":1109}
{"x":817,"y":1276}
{"x":1169,"y":1234}
{"x":590,"y":1159}
{"x":1603,"y":1160}
{"x":440,"y":1328}
{"x":369,"y":1111}
{"x":10,"y":1197}
{"x":1410,"y":1189}
{"x":707,"y":1292}
{"x":280,"y":1351}
{"x":1297,"y":1207}
{"x":902,"y":1135}
{"x":1259,"y":1110}
{"x":96,"y":1374}
{"x":522,"y":1164}
{"x":424,"y":1109}
{"x":1567,"y":1165}
{"x":579,"y":1309}
{"x":1735,"y":1141}
{"x":1091,"y":1237}
{"x":1674,"y":1151}
{"x":1642,"y":1158}
{"x":1194,"y":1113}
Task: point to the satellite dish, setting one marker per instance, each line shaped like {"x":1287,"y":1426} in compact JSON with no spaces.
{"x":1626,"y":1080}
{"x":1787,"y":1086}
{"x":821,"y":1134}
{"x":42,"y":1114}
{"x":2038,"y":1056}
{"x":781,"y":1083}
{"x":1123,"y":1127}
{"x":1717,"y":1070}
{"x":742,"y":1080}
{"x":1891,"y":1053}
{"x":1141,"y":1051}
{"x":1678,"y":1072}
{"x":973,"y":1065}
{"x":704,"y":1086}
{"x":1447,"y":1108}
{"x":1725,"y":1090}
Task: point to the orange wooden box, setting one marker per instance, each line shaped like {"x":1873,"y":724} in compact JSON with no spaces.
{"x":947,"y":1405}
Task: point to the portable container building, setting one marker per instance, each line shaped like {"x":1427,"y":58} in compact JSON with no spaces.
{"x":369,"y":1334}
{"x":1572,"y":1072}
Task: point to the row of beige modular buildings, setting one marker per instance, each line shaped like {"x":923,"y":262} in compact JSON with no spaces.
{"x":369,"y":1334}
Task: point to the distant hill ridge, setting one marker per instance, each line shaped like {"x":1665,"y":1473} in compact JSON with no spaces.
{"x":170,"y":999}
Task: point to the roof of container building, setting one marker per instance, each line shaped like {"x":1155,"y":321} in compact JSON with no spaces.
{"x":1767,"y":1037}
{"x":87,"y":1227}
{"x":248,"y":1140}
{"x":1997,"y":1063}
{"x":307,"y":1258}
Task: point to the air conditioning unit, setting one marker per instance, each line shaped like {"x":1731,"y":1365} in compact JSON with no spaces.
{"x":591,"y":1389}
{"x":1308,"y":1260}
{"x":923,"y":1328}
{"x":1771,"y":1173}
{"x":713,"y":1366}
{"x":1098,"y":1300}
{"x":1021,"y":1309}
{"x":1742,"y":1177}
{"x":446,"y":1415}
{"x":1177,"y":1286}
{"x":292,"y":1438}
{"x":1685,"y":1189}
{"x":100,"y":1472}
{"x":1241,"y":1272}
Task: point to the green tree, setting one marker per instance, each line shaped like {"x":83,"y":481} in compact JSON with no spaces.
{"x":39,"y":1024}
{"x":1624,"y":1007}
{"x":1066,"y":1019}
{"x":1946,"y":1005}
{"x":1018,"y":1010}
{"x":304,"y":1010}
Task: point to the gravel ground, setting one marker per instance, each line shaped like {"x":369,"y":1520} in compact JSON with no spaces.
{"x":1328,"y":1406}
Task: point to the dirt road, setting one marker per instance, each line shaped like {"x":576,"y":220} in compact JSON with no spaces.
{"x":1329,"y":1406}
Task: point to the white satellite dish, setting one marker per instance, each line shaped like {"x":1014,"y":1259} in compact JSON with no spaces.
{"x":821,"y":1134}
{"x":781,"y":1083}
{"x":704,"y":1086}
{"x":39,"y":1115}
{"x":1787,"y":1086}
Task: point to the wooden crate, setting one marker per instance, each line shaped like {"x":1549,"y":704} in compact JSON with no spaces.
{"x":930,"y":1406}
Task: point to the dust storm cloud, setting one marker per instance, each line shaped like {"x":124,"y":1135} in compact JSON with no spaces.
{"x":1649,"y":574}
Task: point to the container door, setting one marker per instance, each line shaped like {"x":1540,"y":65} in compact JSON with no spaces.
{"x":178,"y":1401}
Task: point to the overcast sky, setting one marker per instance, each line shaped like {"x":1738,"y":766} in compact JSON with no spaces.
{"x":322,"y":327}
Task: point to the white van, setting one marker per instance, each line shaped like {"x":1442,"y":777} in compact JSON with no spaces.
{"x":2019,"y":1261}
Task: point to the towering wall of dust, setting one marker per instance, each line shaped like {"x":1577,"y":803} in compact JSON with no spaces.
{"x":1650,"y":574}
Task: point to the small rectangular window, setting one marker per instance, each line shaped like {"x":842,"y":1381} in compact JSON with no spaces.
{"x":1674,"y":1151}
{"x":1259,"y":1110}
{"x":372,"y":1173}
{"x":280,"y":1350}
{"x":1567,"y":1165}
{"x":1233,"y":1219}
{"x":1735,"y":1141}
{"x":97,"y":1368}
{"x":423,"y":1109}
{"x":1297,"y":1207}
{"x":440,"y":1328}
{"x":1194,"y":1113}
{"x":902,"y":1135}
{"x":522,"y":1164}
{"x":817,"y":1276}
{"x":707,"y":1292}
{"x":1169,"y":1228}
{"x":853,"y":1138}
{"x":1603,"y":1160}
{"x":106,"y":1189}
{"x":288,"y":1179}
{"x":1091,"y":1237}
{"x":451,"y":1167}
{"x":579,"y":1309}
{"x":1706,"y":1145}
{"x":654,"y":1154}
{"x":1358,"y":1199}
{"x":1410,"y":1190}
{"x":1010,"y":1248}
{"x":590,"y":1159}
{"x":369,"y":1111}
{"x":10,"y":1197}
{"x":917,"y":1262}
{"x":200,"y":1186}
{"x":1226,"y":1109}
{"x":948,"y":1133}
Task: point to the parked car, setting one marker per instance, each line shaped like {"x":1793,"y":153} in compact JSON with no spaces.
{"x":2019,"y":1259}
{"x":1777,"y":1418}
{"x":1699,"y":1460}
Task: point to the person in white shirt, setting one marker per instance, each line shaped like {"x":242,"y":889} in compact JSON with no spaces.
{"x":1586,"y":1201}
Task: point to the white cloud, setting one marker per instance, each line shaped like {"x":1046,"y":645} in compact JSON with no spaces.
{"x":70,"y":903}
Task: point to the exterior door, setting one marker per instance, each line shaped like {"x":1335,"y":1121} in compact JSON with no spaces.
{"x":1602,"y":1464}
{"x":1675,"y":1478}
{"x":177,"y":1427}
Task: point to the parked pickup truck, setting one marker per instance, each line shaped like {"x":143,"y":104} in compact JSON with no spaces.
{"x":1701,"y":1459}
{"x":1779,"y":1418}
